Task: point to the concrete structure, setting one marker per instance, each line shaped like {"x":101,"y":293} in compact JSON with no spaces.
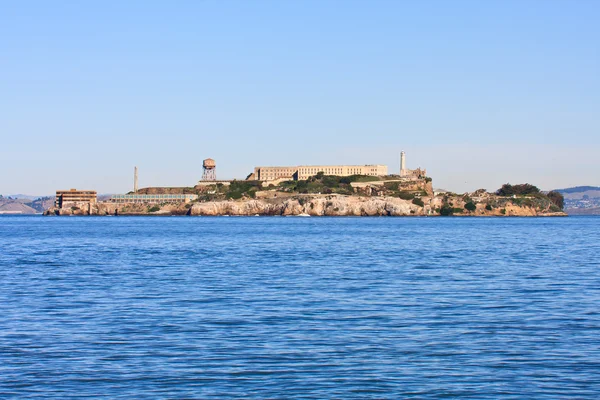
{"x":135,"y":180}
{"x":153,"y":198}
{"x":306,"y":171}
{"x":402,"y":162}
{"x":75,"y":197}
{"x":410,"y":173}
{"x":209,"y":167}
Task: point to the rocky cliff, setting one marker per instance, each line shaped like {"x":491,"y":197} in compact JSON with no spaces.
{"x":330,"y":205}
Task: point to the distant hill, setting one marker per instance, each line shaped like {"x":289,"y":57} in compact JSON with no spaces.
{"x":25,"y":204}
{"x":578,"y":189}
{"x":22,"y":196}
{"x":42,"y":204}
{"x":582,"y":200}
{"x":15,"y":207}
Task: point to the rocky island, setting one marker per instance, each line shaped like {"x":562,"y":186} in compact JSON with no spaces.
{"x":328,"y":195}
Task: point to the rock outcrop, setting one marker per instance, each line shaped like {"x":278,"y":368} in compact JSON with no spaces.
{"x":330,"y":205}
{"x":320,"y":205}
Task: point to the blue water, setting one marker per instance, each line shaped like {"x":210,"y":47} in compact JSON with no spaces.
{"x":280,"y":308}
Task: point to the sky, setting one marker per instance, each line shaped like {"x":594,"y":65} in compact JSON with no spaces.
{"x":479,"y":93}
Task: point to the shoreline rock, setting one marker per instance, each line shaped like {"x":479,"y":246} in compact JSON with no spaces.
{"x":314,"y":205}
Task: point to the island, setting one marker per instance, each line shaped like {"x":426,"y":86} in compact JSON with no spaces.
{"x":316,"y":195}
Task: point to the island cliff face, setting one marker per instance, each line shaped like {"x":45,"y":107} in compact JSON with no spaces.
{"x":315,"y":205}
{"x":324,"y":195}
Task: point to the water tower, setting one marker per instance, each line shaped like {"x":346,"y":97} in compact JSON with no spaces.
{"x":210,"y":170}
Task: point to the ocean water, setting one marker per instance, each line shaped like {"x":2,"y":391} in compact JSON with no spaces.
{"x":311,"y":308}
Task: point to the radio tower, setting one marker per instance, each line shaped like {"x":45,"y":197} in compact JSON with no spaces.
{"x":209,"y":166}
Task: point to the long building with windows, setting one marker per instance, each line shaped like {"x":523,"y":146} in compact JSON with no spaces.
{"x":306,"y":171}
{"x":153,"y":198}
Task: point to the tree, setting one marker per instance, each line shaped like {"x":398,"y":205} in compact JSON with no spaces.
{"x":523,"y":189}
{"x":471,"y":206}
{"x":446,"y":210}
{"x":557,"y":198}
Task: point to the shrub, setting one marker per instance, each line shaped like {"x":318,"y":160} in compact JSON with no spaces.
{"x":418,"y":202}
{"x":503,"y":211}
{"x":523,"y":189}
{"x":470,"y":206}
{"x":154,"y":209}
{"x":404,"y":195}
{"x":446,"y":210}
{"x":234,"y":195}
{"x":488,"y":207}
{"x":237,"y":189}
{"x":557,"y":199}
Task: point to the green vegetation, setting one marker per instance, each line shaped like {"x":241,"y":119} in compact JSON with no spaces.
{"x":526,"y":195}
{"x":327,"y":184}
{"x":488,"y":207}
{"x":555,"y":208}
{"x":238,"y":189}
{"x":405,"y":195}
{"x":524,"y":202}
{"x":519,"y":190}
{"x":154,"y":209}
{"x":417,"y":201}
{"x":470,"y":206}
{"x":557,"y":199}
{"x":447,"y":210}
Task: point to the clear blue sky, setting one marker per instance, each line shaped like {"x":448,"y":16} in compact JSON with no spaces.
{"x":478,"y":92}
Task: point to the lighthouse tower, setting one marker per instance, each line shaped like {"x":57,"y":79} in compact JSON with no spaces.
{"x":403,"y":164}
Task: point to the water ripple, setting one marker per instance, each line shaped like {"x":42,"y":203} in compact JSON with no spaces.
{"x":369,"y":308}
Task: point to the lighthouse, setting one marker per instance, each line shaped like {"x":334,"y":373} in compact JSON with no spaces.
{"x":402,"y":163}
